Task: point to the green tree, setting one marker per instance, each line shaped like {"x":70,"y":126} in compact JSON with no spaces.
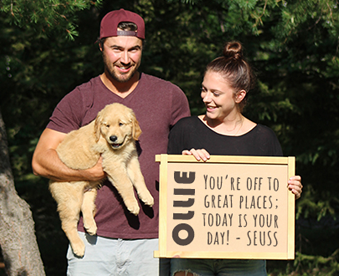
{"x":28,"y":30}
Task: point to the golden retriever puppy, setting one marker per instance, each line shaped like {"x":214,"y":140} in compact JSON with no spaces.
{"x":112,"y":135}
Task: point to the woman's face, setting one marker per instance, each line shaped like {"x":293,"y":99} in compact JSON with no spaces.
{"x":219,"y":97}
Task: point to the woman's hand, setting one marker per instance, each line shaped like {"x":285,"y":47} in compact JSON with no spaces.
{"x":199,"y":154}
{"x":295,"y":186}
{"x":294,"y":183}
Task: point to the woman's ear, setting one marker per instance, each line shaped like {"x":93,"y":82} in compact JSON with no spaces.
{"x":240,"y":96}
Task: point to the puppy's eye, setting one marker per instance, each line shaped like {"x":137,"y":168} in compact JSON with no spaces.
{"x":121,"y":124}
{"x":107,"y":126}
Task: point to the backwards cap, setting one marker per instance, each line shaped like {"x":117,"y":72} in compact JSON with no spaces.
{"x":109,"y":24}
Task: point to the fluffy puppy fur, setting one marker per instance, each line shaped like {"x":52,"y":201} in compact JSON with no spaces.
{"x":112,"y":135}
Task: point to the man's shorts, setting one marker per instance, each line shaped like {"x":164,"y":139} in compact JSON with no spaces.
{"x":114,"y":257}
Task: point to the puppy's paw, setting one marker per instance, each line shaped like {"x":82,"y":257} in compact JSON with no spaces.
{"x":134,"y":209}
{"x":78,"y":248}
{"x":147,"y":198}
{"x":91,"y":229}
{"x":149,"y":201}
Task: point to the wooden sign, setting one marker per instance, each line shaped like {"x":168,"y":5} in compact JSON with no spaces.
{"x":234,"y":207}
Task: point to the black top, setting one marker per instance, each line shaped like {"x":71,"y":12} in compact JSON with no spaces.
{"x":191,"y":132}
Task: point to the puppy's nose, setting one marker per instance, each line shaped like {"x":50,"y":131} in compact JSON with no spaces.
{"x":113,"y":138}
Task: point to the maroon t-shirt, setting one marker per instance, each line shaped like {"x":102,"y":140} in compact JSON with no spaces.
{"x":158,"y":105}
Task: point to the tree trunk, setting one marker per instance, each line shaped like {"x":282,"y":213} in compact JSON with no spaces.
{"x":17,"y":237}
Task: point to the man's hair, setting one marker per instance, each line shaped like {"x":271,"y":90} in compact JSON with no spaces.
{"x":124,"y":26}
{"x":127,"y":26}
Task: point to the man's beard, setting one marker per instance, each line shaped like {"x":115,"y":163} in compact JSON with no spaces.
{"x":109,"y":67}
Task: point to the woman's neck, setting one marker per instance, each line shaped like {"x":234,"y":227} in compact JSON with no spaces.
{"x":235,"y":126}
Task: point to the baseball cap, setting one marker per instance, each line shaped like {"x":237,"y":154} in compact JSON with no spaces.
{"x":109,"y":24}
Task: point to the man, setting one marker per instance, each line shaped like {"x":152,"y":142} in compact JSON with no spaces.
{"x":124,"y":243}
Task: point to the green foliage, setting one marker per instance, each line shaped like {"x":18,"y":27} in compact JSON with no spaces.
{"x":292,"y":45}
{"x":37,"y":68}
{"x":46,"y":16}
{"x":318,"y":265}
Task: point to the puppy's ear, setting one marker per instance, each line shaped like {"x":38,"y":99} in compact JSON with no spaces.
{"x":97,"y":124}
{"x":136,"y":130}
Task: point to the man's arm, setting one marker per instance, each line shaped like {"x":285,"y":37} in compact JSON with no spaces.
{"x":47,"y":163}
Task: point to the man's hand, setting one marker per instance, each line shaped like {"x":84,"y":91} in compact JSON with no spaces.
{"x":47,"y":163}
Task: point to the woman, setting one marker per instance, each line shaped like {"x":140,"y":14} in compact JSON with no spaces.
{"x":223,"y":130}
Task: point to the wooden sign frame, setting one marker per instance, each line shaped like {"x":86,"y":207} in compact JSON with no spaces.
{"x":266,"y":177}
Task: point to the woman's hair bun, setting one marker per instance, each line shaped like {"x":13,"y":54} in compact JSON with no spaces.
{"x":233,"y":49}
